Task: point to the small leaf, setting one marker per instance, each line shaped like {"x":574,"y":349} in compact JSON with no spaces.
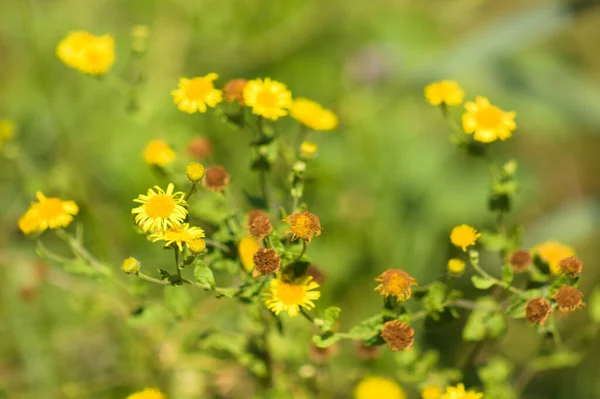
{"x":507,"y":273}
{"x":226,"y":292}
{"x":326,"y":339}
{"x":330,"y":317}
{"x":482,"y":283}
{"x":203,"y":274}
{"x":557,"y":360}
{"x":516,"y":309}
{"x":493,"y":241}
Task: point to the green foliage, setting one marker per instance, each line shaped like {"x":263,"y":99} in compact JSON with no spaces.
{"x":484,"y":322}
{"x":204,"y":274}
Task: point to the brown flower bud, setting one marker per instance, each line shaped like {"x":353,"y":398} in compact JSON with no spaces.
{"x":571,"y":266}
{"x":234,"y":91}
{"x":317,"y":274}
{"x":365,"y":352}
{"x":395,"y":282}
{"x":254,"y":213}
{"x":538,"y":310}
{"x":199,"y":148}
{"x":216,"y":178}
{"x":399,"y":336}
{"x":266,"y":261}
{"x":260,"y":227}
{"x":568,"y":298}
{"x":520,"y":260}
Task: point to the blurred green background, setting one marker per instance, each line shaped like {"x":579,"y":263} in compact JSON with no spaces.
{"x":387,"y":185}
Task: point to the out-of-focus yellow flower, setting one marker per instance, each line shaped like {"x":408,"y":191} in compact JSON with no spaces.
{"x":313,"y":115}
{"x":464,"y":236}
{"x":375,"y":387}
{"x":247,"y":248}
{"x":487,"y":122}
{"x":7,"y":130}
{"x":158,"y":153}
{"x":269,"y":98}
{"x":552,"y":252}
{"x":178,"y":235}
{"x":194,"y":95}
{"x":431,"y":392}
{"x":93,"y":55}
{"x":160,"y":209}
{"x":444,"y":91}
{"x":148,"y":393}
{"x":456,"y":266}
{"x":459,"y":392}
{"x":47,"y":213}
{"x":308,"y":150}
{"x":289,"y":296}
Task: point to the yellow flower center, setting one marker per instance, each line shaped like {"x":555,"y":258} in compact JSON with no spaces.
{"x":290,"y":294}
{"x":302,"y":226}
{"x":160,"y":206}
{"x":50,"y":208}
{"x":198,"y":88}
{"x":489,"y":117}
{"x":267,"y":99}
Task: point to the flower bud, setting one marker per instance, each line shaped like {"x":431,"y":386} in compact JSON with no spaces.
{"x":308,"y":150}
{"x":197,"y":246}
{"x":456,"y":266}
{"x":194,"y":172}
{"x":216,"y":178}
{"x":571,"y":266}
{"x":131,"y":266}
{"x":520,"y":260}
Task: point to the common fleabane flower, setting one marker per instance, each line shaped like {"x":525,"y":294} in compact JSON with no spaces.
{"x":459,"y":392}
{"x":304,"y":225}
{"x":487,"y":122}
{"x":444,"y":92}
{"x":267,"y":98}
{"x":160,"y":209}
{"x":195,"y":94}
{"x":89,"y":54}
{"x":395,"y":282}
{"x":290,"y":296}
{"x":179,"y":235}
{"x":313,"y":115}
{"x":464,"y":236}
{"x":158,"y":153}
{"x":47,"y":213}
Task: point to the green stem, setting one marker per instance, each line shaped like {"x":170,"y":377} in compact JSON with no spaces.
{"x":77,"y":248}
{"x":496,"y":281}
{"x":152,"y":279}
{"x":177,"y":262}
{"x":217,"y":244}
{"x":192,"y":191}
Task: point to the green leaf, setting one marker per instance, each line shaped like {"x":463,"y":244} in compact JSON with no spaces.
{"x":178,"y":300}
{"x":594,"y":305}
{"x":482,"y":283}
{"x":326,"y":339}
{"x":516,"y":309}
{"x":226,"y":292}
{"x":557,"y":360}
{"x":203,"y":274}
{"x":434,"y":300}
{"x":496,"y":371}
{"x":493,"y":241}
{"x":330,"y":317}
{"x":483,"y":323}
{"x":507,"y":273}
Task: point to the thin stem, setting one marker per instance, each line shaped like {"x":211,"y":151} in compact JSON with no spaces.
{"x":177,"y":262}
{"x":192,"y":191}
{"x":307,"y":315}
{"x":152,"y":279}
{"x":304,"y":246}
{"x":496,"y":281}
{"x":217,"y":244}
{"x":77,"y":248}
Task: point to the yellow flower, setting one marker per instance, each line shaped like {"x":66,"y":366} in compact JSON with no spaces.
{"x":148,"y":393}
{"x":289,"y":296}
{"x":487,"y":121}
{"x":131,"y":265}
{"x":464,"y":236}
{"x":374,"y":387}
{"x":459,"y":392}
{"x":431,"y":392}
{"x":308,"y":150}
{"x":179,"y":235}
{"x":197,"y":246}
{"x":158,"y":153}
{"x":194,"y":172}
{"x":193,"y":95}
{"x":313,"y":115}
{"x":456,"y":266}
{"x":160,"y":210}
{"x":247,"y":248}
{"x":93,"y":55}
{"x":52,"y":213}
{"x":303,"y":225}
{"x":7,"y":130}
{"x":269,"y":98}
{"x":395,"y":282}
{"x":552,"y":252}
{"x":444,"y":91}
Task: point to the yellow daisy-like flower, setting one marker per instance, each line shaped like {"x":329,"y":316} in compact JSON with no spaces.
{"x":269,"y":98}
{"x":93,"y":55}
{"x":179,"y":235}
{"x":246,"y":249}
{"x":47,"y":213}
{"x":552,"y":252}
{"x":289,"y":296}
{"x":160,"y":209}
{"x":158,"y":153}
{"x":303,"y":225}
{"x":487,"y":122}
{"x":148,"y":393}
{"x":444,"y":91}
{"x":194,"y":95}
{"x":395,"y":282}
{"x":464,"y":236}
{"x":456,"y":266}
{"x":459,"y":392}
{"x":7,"y":130}
{"x":313,"y":115}
{"x":374,"y":387}
{"x":431,"y":392}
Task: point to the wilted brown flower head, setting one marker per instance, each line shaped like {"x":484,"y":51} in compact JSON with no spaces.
{"x":568,"y":298}
{"x":399,"y":336}
{"x":365,"y":352}
{"x":571,"y":266}
{"x":520,"y":260}
{"x":254,"y":213}
{"x":395,"y":282}
{"x":317,"y":274}
{"x":321,"y":355}
{"x":538,"y":310}
{"x":260,"y":227}
{"x":234,"y":91}
{"x":266,"y":261}
{"x":199,"y":148}
{"x":303,"y":225}
{"x":216,"y":178}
